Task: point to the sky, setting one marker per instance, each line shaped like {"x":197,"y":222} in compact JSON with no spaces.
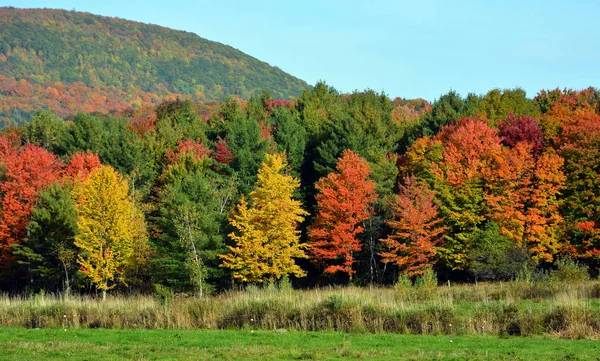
{"x":408,"y":49}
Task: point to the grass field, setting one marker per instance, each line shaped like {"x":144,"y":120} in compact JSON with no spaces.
{"x":549,"y":309}
{"x":100,"y":344}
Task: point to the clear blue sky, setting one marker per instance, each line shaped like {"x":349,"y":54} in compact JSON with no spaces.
{"x":404,"y":48}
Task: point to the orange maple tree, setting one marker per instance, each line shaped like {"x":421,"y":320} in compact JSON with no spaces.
{"x":344,"y":200}
{"x":81,"y":165}
{"x":417,"y":229}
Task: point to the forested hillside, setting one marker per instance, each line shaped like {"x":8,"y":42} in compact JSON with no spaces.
{"x":338,"y":187}
{"x":71,"y":62}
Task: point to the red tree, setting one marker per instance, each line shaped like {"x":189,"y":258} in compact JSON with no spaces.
{"x":188,"y":147}
{"x":81,"y":165}
{"x":223,"y":154}
{"x":522,"y":128}
{"x":26,"y":171}
{"x":417,"y":229}
{"x":344,"y":200}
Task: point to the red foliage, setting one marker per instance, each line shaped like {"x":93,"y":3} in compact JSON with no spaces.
{"x":27,"y":170}
{"x":344,"y":200}
{"x":417,"y":229}
{"x":81,"y":165}
{"x":277,"y":103}
{"x":143,"y":122}
{"x":522,"y":128}
{"x":265,"y":130}
{"x":467,"y":145}
{"x":223,"y":154}
{"x":188,"y":147}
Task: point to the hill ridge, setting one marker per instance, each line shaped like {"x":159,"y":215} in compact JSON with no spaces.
{"x":42,"y":50}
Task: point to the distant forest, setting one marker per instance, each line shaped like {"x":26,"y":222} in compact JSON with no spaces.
{"x":70,"y":62}
{"x":325,"y":188}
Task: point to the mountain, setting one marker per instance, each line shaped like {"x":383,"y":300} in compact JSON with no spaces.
{"x":72,"y":61}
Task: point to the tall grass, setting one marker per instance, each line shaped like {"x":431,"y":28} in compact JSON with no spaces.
{"x":560,"y":309}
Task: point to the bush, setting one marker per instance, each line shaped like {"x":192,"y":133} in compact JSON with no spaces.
{"x":567,"y":270}
{"x":428,"y":280}
{"x":494,"y":256}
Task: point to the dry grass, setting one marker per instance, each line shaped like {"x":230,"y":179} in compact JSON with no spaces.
{"x":566,"y":310}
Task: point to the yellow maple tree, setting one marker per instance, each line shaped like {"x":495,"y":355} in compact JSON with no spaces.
{"x":112,"y":230}
{"x":267,"y":239}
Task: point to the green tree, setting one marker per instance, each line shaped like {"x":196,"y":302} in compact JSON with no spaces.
{"x":194,"y":203}
{"x":249,"y":149}
{"x":49,"y":250}
{"x":47,"y":130}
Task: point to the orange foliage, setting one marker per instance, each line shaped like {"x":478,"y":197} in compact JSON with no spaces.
{"x":417,"y":229}
{"x":344,"y":200}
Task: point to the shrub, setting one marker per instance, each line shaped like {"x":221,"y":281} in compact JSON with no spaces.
{"x":494,"y":257}
{"x":567,"y":270}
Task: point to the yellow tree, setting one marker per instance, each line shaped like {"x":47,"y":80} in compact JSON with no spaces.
{"x":112,"y":231}
{"x":267,"y":240}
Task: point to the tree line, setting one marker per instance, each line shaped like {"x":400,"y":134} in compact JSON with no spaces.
{"x":325,"y":188}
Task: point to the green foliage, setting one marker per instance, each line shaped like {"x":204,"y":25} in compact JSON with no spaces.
{"x":494,"y":257}
{"x":193,"y":207}
{"x":249,"y":149}
{"x":446,"y":110}
{"x":427,"y":281}
{"x":496,"y":104}
{"x":290,"y":136}
{"x":116,"y":145}
{"x":47,"y":130}
{"x":570,"y":271}
{"x":111,"y":52}
{"x":49,"y":251}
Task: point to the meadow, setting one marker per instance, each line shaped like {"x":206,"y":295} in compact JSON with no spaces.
{"x":57,"y":344}
{"x":547,"y":308}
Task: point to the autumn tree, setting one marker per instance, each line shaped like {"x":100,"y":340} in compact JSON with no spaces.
{"x":111,"y":229}
{"x":26,"y":171}
{"x":417,"y":229}
{"x":522,"y":128}
{"x":521,"y":196}
{"x":451,"y":164}
{"x":81,"y":165}
{"x":344,"y":200}
{"x":579,"y":145}
{"x":267,"y":240}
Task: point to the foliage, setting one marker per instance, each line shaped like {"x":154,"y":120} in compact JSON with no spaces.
{"x":568,"y":270}
{"x":266,"y":241}
{"x":112,"y":232}
{"x":417,"y":229}
{"x":522,"y":129}
{"x":192,"y":208}
{"x":26,"y":171}
{"x":49,"y":251}
{"x":107,"y":64}
{"x":344,"y":200}
{"x":494,"y":256}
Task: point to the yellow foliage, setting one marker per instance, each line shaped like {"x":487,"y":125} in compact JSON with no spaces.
{"x":112,"y":231}
{"x":267,"y":240}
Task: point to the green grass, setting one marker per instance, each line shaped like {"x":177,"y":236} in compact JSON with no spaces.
{"x":85,"y":344}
